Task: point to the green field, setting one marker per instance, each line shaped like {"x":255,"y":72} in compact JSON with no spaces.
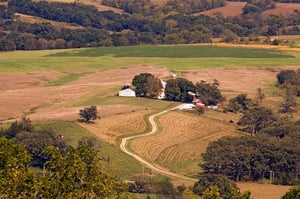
{"x":64,"y":79}
{"x":119,"y":164}
{"x":177,"y":58}
{"x":177,"y":51}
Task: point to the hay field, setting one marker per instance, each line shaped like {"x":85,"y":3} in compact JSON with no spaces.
{"x":110,"y":128}
{"x":181,"y":140}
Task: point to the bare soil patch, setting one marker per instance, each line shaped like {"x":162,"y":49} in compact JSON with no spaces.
{"x":284,"y":9}
{"x":230,"y":9}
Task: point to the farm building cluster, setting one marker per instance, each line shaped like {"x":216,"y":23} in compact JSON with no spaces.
{"x":130,"y":91}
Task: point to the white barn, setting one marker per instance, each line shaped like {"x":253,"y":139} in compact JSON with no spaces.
{"x":127,"y":93}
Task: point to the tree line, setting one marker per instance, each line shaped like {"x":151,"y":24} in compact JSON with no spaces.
{"x":177,"y":89}
{"x":272,"y":151}
{"x":143,"y":23}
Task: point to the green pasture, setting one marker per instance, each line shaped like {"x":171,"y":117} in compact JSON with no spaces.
{"x":177,"y":58}
{"x":119,"y":163}
{"x":175,"y":51}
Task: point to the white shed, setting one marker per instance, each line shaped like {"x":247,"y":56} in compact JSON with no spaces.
{"x":127,"y":93}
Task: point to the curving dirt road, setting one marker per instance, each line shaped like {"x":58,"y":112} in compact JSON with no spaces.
{"x":152,"y":166}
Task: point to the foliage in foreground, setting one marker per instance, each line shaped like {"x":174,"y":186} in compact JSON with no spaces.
{"x":293,"y":193}
{"x":76,"y":175}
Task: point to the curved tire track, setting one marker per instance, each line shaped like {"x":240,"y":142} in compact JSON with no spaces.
{"x":154,"y":167}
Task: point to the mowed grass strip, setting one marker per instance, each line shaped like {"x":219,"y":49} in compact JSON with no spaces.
{"x":64,"y":79}
{"x":176,"y":51}
{"x":119,"y":164}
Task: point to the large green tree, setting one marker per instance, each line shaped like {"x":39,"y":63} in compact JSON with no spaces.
{"x":256,"y":119}
{"x":89,"y":113}
{"x":16,"y":178}
{"x":146,"y":85}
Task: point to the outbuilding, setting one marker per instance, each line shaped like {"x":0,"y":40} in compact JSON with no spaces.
{"x":127,"y":93}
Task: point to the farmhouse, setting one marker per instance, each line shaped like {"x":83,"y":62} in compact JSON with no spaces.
{"x":162,"y":93}
{"x":127,"y":93}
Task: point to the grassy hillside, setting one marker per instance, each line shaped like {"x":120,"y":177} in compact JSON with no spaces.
{"x":176,"y":58}
{"x":119,"y":164}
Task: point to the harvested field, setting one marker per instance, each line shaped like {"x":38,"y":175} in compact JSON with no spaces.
{"x":284,"y":9}
{"x":25,"y":93}
{"x":56,"y":24}
{"x":183,"y":138}
{"x":110,"y":128}
{"x":231,"y":9}
{"x":264,"y":191}
{"x":237,"y":79}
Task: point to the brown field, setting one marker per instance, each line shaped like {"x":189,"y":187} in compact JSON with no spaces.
{"x":236,"y":8}
{"x":264,"y":191}
{"x":183,"y":138}
{"x":25,"y":93}
{"x":56,"y":24}
{"x":284,"y":9}
{"x":231,"y":9}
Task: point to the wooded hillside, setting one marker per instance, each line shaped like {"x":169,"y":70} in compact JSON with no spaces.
{"x":141,"y":23}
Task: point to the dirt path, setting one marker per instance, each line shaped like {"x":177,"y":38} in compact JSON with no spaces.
{"x":152,"y":166}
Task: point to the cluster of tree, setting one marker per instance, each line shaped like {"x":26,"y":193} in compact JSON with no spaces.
{"x":142,"y":23}
{"x":77,"y":174}
{"x":256,"y":7}
{"x":178,"y":89}
{"x":146,"y":7}
{"x":147,"y":85}
{"x":290,"y":80}
{"x":224,"y":186}
{"x":34,"y":141}
{"x":88,"y":114}
{"x":272,"y":154}
{"x":208,"y":186}
{"x":193,"y":6}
